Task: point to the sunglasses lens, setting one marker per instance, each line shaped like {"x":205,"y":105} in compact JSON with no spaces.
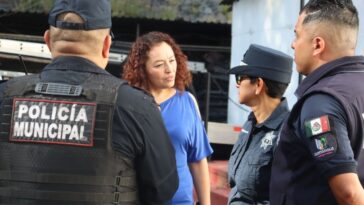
{"x":238,"y":79}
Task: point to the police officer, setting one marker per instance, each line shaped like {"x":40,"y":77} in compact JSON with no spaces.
{"x":320,"y":147}
{"x":261,"y":79}
{"x":74,"y":134}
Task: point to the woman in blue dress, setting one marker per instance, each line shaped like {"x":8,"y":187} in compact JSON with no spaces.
{"x":157,"y":65}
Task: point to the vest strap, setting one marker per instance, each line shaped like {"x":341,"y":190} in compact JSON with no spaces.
{"x":120,"y":181}
{"x":115,"y":198}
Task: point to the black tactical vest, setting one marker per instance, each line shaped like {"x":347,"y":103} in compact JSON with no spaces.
{"x":56,"y":144}
{"x":294,"y":178}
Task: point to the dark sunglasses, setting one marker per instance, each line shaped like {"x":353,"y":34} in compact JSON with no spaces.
{"x":240,"y":78}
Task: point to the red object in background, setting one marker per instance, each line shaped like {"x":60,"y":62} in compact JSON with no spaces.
{"x":237,"y":129}
{"x":219,"y":182}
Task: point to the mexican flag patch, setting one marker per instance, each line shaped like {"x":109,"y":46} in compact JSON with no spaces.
{"x":317,"y":126}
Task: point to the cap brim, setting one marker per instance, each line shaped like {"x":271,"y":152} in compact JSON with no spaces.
{"x":236,"y":70}
{"x":243,"y":70}
{"x":266,"y":73}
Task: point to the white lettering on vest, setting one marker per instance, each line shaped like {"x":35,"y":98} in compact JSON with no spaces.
{"x":51,"y":134}
{"x":61,"y":113}
{"x":53,"y":122}
{"x":38,"y":130}
{"x":72,"y":116}
{"x":34,"y":112}
{"x":28,"y":129}
{"x":54,"y":110}
{"x":18,"y":129}
{"x":22,"y":110}
{"x":66,"y":131}
{"x":81,"y":115}
{"x":44,"y":114}
{"x":61,"y":116}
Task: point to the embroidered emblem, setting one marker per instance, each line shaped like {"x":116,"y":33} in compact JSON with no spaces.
{"x":267,"y":140}
{"x":321,"y":143}
{"x":324,"y":146}
{"x":317,"y":126}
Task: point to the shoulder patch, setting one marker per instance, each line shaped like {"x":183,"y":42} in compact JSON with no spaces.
{"x":317,"y":126}
{"x":323,"y":146}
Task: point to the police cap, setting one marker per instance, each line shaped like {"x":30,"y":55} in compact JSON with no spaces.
{"x":95,"y":13}
{"x":267,"y":63}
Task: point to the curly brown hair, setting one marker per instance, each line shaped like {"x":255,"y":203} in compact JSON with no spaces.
{"x":134,"y":69}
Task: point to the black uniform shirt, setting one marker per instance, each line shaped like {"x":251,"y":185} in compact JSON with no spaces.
{"x":138,"y":129}
{"x":340,"y":159}
{"x":322,"y":136}
{"x":251,"y":158}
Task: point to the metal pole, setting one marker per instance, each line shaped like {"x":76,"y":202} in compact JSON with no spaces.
{"x":207,"y":100}
{"x":137,"y":30}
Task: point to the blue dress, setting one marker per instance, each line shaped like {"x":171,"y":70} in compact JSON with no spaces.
{"x":189,"y":139}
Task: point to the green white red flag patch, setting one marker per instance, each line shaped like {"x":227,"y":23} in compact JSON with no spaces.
{"x":317,"y":126}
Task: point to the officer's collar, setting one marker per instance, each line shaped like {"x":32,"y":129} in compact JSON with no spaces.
{"x":75,"y":63}
{"x":325,"y":69}
{"x":275,"y":119}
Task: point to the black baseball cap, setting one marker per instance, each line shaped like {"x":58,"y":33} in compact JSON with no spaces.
{"x":95,"y":13}
{"x":264,"y":62}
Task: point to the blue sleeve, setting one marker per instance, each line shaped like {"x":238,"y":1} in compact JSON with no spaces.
{"x":330,"y":147}
{"x":199,"y":146}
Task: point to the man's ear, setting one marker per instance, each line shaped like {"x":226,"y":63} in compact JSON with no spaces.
{"x":319,"y":45}
{"x":47,"y":39}
{"x":106,"y":47}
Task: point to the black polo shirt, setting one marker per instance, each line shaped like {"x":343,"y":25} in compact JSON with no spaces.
{"x":323,"y":135}
{"x":251,"y":158}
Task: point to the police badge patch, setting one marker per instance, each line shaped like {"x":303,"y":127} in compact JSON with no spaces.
{"x":323,"y":146}
{"x":267,"y":140}
{"x":52,"y":122}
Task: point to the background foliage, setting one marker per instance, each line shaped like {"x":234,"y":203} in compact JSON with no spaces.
{"x":209,"y":11}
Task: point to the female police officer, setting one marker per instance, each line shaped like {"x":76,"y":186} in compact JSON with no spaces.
{"x":261,"y":81}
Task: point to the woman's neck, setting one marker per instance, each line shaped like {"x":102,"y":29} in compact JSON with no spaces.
{"x":162,"y":95}
{"x":265,"y":108}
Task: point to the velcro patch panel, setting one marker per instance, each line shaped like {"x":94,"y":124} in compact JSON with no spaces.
{"x":52,"y":122}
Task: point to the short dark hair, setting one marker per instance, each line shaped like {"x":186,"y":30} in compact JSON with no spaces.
{"x":274,"y":89}
{"x":339,"y":12}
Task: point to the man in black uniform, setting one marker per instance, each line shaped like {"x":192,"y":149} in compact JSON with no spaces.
{"x":319,"y":158}
{"x":74,"y":134}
